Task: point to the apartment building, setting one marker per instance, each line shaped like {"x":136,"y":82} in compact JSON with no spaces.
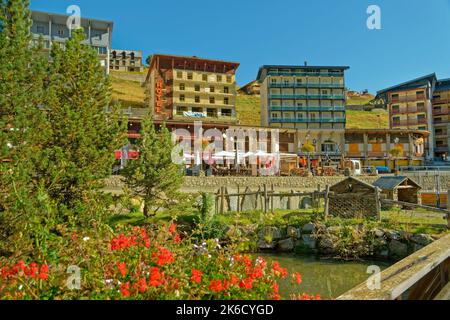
{"x":303,"y":97}
{"x":441,"y":118}
{"x":410,"y":106}
{"x":53,"y":28}
{"x":188,"y":89}
{"x":252,"y":88}
{"x":126,"y":60}
{"x":310,"y":99}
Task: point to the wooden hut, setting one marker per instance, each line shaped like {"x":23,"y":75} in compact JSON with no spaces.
{"x":353,"y":198}
{"x":399,"y":188}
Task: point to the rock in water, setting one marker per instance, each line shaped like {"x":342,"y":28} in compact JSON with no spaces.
{"x":286,"y":245}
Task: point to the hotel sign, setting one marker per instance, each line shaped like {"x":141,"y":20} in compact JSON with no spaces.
{"x":159,"y":95}
{"x":194,"y":114}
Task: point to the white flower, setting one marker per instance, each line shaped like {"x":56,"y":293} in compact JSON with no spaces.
{"x":20,"y":287}
{"x":86,"y":239}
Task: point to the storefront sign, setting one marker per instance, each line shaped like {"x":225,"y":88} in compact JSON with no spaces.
{"x":194,"y":114}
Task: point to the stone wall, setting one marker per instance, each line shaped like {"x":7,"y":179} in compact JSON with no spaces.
{"x":428,"y":180}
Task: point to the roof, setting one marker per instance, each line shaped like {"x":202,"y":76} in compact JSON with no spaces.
{"x":262,"y":73}
{"x":63,"y":17}
{"x":390,"y":183}
{"x":355,"y":180}
{"x":253,"y":82}
{"x":170,"y":56}
{"x":411,"y":84}
{"x":443,"y":85}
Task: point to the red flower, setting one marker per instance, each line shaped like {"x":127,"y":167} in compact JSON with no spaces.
{"x":235,"y":279}
{"x":247,"y":284}
{"x":276,"y":291}
{"x":196,"y":276}
{"x":216,"y":286}
{"x":141,"y":285}
{"x":172,"y":228}
{"x":297,"y":277}
{"x":177,"y":238}
{"x":125,"y":290}
{"x":122,"y":268}
{"x":33,"y":270}
{"x":43,"y":273}
{"x":156,"y":277}
{"x":163,"y":257}
{"x":246,"y":261}
{"x":278,"y":271}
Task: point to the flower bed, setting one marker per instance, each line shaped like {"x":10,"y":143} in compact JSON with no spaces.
{"x":139,"y":263}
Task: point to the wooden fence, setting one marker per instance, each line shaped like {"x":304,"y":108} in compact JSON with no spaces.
{"x":267,"y":196}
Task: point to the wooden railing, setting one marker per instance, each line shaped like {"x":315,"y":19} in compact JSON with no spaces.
{"x":425,"y":275}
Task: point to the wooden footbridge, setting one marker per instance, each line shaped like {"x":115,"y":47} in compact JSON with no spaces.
{"x":425,"y":275}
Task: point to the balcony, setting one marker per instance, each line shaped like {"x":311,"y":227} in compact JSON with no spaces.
{"x":408,"y":110}
{"x":411,"y":122}
{"x":305,"y":74}
{"x":442,"y":148}
{"x":407,"y":99}
{"x":306,"y":85}
{"x":308,"y":108}
{"x":307,"y":96}
{"x":437,"y":112}
{"x":307,"y":120}
{"x":441,"y":100}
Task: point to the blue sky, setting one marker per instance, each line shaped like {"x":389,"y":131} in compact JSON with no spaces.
{"x":414,"y":39}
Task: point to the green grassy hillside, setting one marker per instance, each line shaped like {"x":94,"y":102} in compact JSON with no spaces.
{"x":376,"y":119}
{"x":248,"y":109}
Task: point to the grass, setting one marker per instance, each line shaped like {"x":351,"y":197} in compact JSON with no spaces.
{"x":248,"y":109}
{"x":360,"y":101}
{"x":376,"y":119}
{"x":129,"y":93}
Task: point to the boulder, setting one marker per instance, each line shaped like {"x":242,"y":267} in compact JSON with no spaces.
{"x":398,"y":249}
{"x":422,"y":239}
{"x":293,"y":232}
{"x":309,"y":228}
{"x":286,"y":245}
{"x":269,"y":234}
{"x":309,"y":241}
{"x":393,"y":235}
{"x":379,"y":233}
{"x":326,"y":245}
{"x":263,"y":245}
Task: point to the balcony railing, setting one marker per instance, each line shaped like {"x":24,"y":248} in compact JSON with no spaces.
{"x":307,"y":108}
{"x":307,"y":96}
{"x":412,"y":122}
{"x":306,"y":74}
{"x":407,"y":99}
{"x":307,"y":120}
{"x":441,"y":112}
{"x":409,"y":110}
{"x":306,"y":85}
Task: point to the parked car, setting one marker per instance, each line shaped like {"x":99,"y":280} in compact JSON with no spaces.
{"x":383,"y":170}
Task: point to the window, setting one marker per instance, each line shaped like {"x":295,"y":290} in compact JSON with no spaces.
{"x":395,"y":96}
{"x":190,"y":76}
{"x":226,"y":90}
{"x":212,"y":100}
{"x":181,"y":111}
{"x":205,"y":77}
{"x":420,"y":117}
{"x":197,"y":99}
{"x":182,"y":87}
{"x":212,"y":89}
{"x":61,"y":32}
{"x":197,"y":109}
{"x":226,"y":100}
{"x":395,"y":108}
{"x":274,"y":80}
{"x":299,"y":80}
{"x":422,"y":128}
{"x":274,"y":115}
{"x":396,"y":119}
{"x":212,"y":113}
{"x":179,"y":74}
{"x":312,"y":116}
{"x":40,"y":29}
{"x":197,"y":87}
{"x":182,"y":98}
{"x":229,"y":79}
{"x":219,"y":78}
{"x":420,"y":104}
{"x":324,"y":91}
{"x":226,"y":112}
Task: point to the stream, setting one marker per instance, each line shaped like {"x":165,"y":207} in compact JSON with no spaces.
{"x":329,"y":278}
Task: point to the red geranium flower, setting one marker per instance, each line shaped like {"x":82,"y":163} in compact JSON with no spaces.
{"x":163,"y":257}
{"x":125,"y":290}
{"x":216,"y":286}
{"x":278,"y":271}
{"x":156,"y":277}
{"x":196,"y":276}
{"x":172,"y":228}
{"x":122,"y":268}
{"x":247,"y":284}
{"x":177,"y":238}
{"x":297,"y":277}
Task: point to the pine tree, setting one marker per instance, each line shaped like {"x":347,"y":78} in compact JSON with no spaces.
{"x":22,"y":124}
{"x":154,"y":176}
{"x":84,"y":134}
